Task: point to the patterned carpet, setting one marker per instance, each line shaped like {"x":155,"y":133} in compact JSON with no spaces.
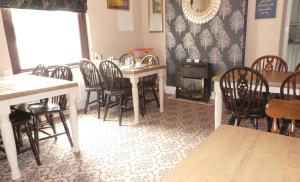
{"x":136,"y":153}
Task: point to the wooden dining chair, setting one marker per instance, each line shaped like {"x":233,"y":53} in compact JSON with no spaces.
{"x":41,"y":70}
{"x":123,"y":57}
{"x":114,"y":86}
{"x":56,"y":104}
{"x":245,"y":94}
{"x":270,"y":63}
{"x":20,"y":118}
{"x":290,"y":90}
{"x":93,"y":83}
{"x":148,"y":83}
{"x":297,"y":67}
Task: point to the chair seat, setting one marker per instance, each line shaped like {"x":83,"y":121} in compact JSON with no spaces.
{"x":41,"y":108}
{"x":94,"y":89}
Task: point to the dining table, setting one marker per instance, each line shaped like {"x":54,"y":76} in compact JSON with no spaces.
{"x":134,"y":73}
{"x":273,"y":78}
{"x":22,"y":88}
{"x":234,"y":154}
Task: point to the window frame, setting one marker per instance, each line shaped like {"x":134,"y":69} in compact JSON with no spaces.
{"x":12,"y":45}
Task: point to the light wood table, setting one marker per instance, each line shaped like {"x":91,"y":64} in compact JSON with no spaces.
{"x":27,"y":88}
{"x":274,"y":80}
{"x":134,"y":75}
{"x":234,"y":154}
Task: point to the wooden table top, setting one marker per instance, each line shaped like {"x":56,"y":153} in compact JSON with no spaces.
{"x":274,"y":78}
{"x":142,"y":70}
{"x":239,"y":154}
{"x":23,"y":85}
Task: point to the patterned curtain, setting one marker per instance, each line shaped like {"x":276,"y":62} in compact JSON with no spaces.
{"x":65,"y":5}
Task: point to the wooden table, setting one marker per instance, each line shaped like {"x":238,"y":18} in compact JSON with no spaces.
{"x":274,"y":79}
{"x":26,"y":88}
{"x":234,"y":154}
{"x":135,"y":74}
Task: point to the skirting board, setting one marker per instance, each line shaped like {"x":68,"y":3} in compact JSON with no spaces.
{"x":172,"y":90}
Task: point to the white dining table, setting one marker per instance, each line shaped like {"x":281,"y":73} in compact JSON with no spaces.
{"x":134,"y":74}
{"x":27,"y":88}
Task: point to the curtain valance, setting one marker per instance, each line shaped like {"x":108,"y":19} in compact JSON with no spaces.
{"x":65,"y":5}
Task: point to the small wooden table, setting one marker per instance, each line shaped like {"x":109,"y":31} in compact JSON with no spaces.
{"x":134,"y":75}
{"x":274,"y":80}
{"x":26,"y":88}
{"x":234,"y":154}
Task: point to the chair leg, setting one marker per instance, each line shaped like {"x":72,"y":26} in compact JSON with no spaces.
{"x":87,"y":102}
{"x":98,"y":104}
{"x":121,"y":109}
{"x":255,"y":123}
{"x":292,"y":129}
{"x":155,"y":96}
{"x":36,"y":132}
{"x":231,"y":120}
{"x":16,"y":138}
{"x":269,"y":123}
{"x":51,"y":122}
{"x":106,"y":107}
{"x":141,"y":105}
{"x":62,"y":117}
{"x":33,"y":146}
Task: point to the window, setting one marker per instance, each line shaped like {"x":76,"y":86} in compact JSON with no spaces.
{"x":44,"y":37}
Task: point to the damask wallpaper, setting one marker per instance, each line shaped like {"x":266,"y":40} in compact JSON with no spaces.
{"x":220,"y":41}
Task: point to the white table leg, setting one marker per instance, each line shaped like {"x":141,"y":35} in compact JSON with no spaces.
{"x":72,"y":97}
{"x":218,"y":105}
{"x":161,"y":90}
{"x":135,"y":97}
{"x":9,"y":142}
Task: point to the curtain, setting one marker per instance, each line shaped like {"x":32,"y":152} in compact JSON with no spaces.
{"x":293,"y":56}
{"x":65,"y":5}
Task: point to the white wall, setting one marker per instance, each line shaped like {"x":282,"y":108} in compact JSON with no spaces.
{"x":263,"y":35}
{"x":5,"y":66}
{"x":113,"y":32}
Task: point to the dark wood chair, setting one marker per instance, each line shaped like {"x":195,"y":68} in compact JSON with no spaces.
{"x":297,"y":67}
{"x":290,"y":90}
{"x":148,"y":83}
{"x":93,"y":83}
{"x":57,"y":104}
{"x":270,"y":63}
{"x":114,"y":86}
{"x":123,"y":57}
{"x":245,"y":94}
{"x":19,"y":118}
{"x":41,"y":70}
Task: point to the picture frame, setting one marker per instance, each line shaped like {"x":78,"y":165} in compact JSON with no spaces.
{"x":118,"y":4}
{"x":155,"y":15}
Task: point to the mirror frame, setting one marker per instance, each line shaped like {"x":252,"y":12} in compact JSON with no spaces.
{"x":150,"y":14}
{"x":202,"y":17}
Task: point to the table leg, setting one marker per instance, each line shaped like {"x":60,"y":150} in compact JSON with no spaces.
{"x":72,"y":97}
{"x":9,"y":142}
{"x":218,"y":105}
{"x":161,"y":90}
{"x":135,"y":98}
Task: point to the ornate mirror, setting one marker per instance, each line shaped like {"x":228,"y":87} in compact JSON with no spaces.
{"x":200,"y":11}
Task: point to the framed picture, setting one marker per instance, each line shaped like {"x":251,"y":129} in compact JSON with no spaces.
{"x":156,"y":6}
{"x":118,"y":4}
{"x":155,"y":15}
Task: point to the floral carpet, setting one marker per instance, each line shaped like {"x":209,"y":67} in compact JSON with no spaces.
{"x":143,"y":152}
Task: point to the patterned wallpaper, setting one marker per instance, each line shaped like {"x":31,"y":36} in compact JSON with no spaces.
{"x":219,"y":41}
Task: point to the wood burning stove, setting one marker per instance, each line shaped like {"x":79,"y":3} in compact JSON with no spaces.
{"x":194,"y":81}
